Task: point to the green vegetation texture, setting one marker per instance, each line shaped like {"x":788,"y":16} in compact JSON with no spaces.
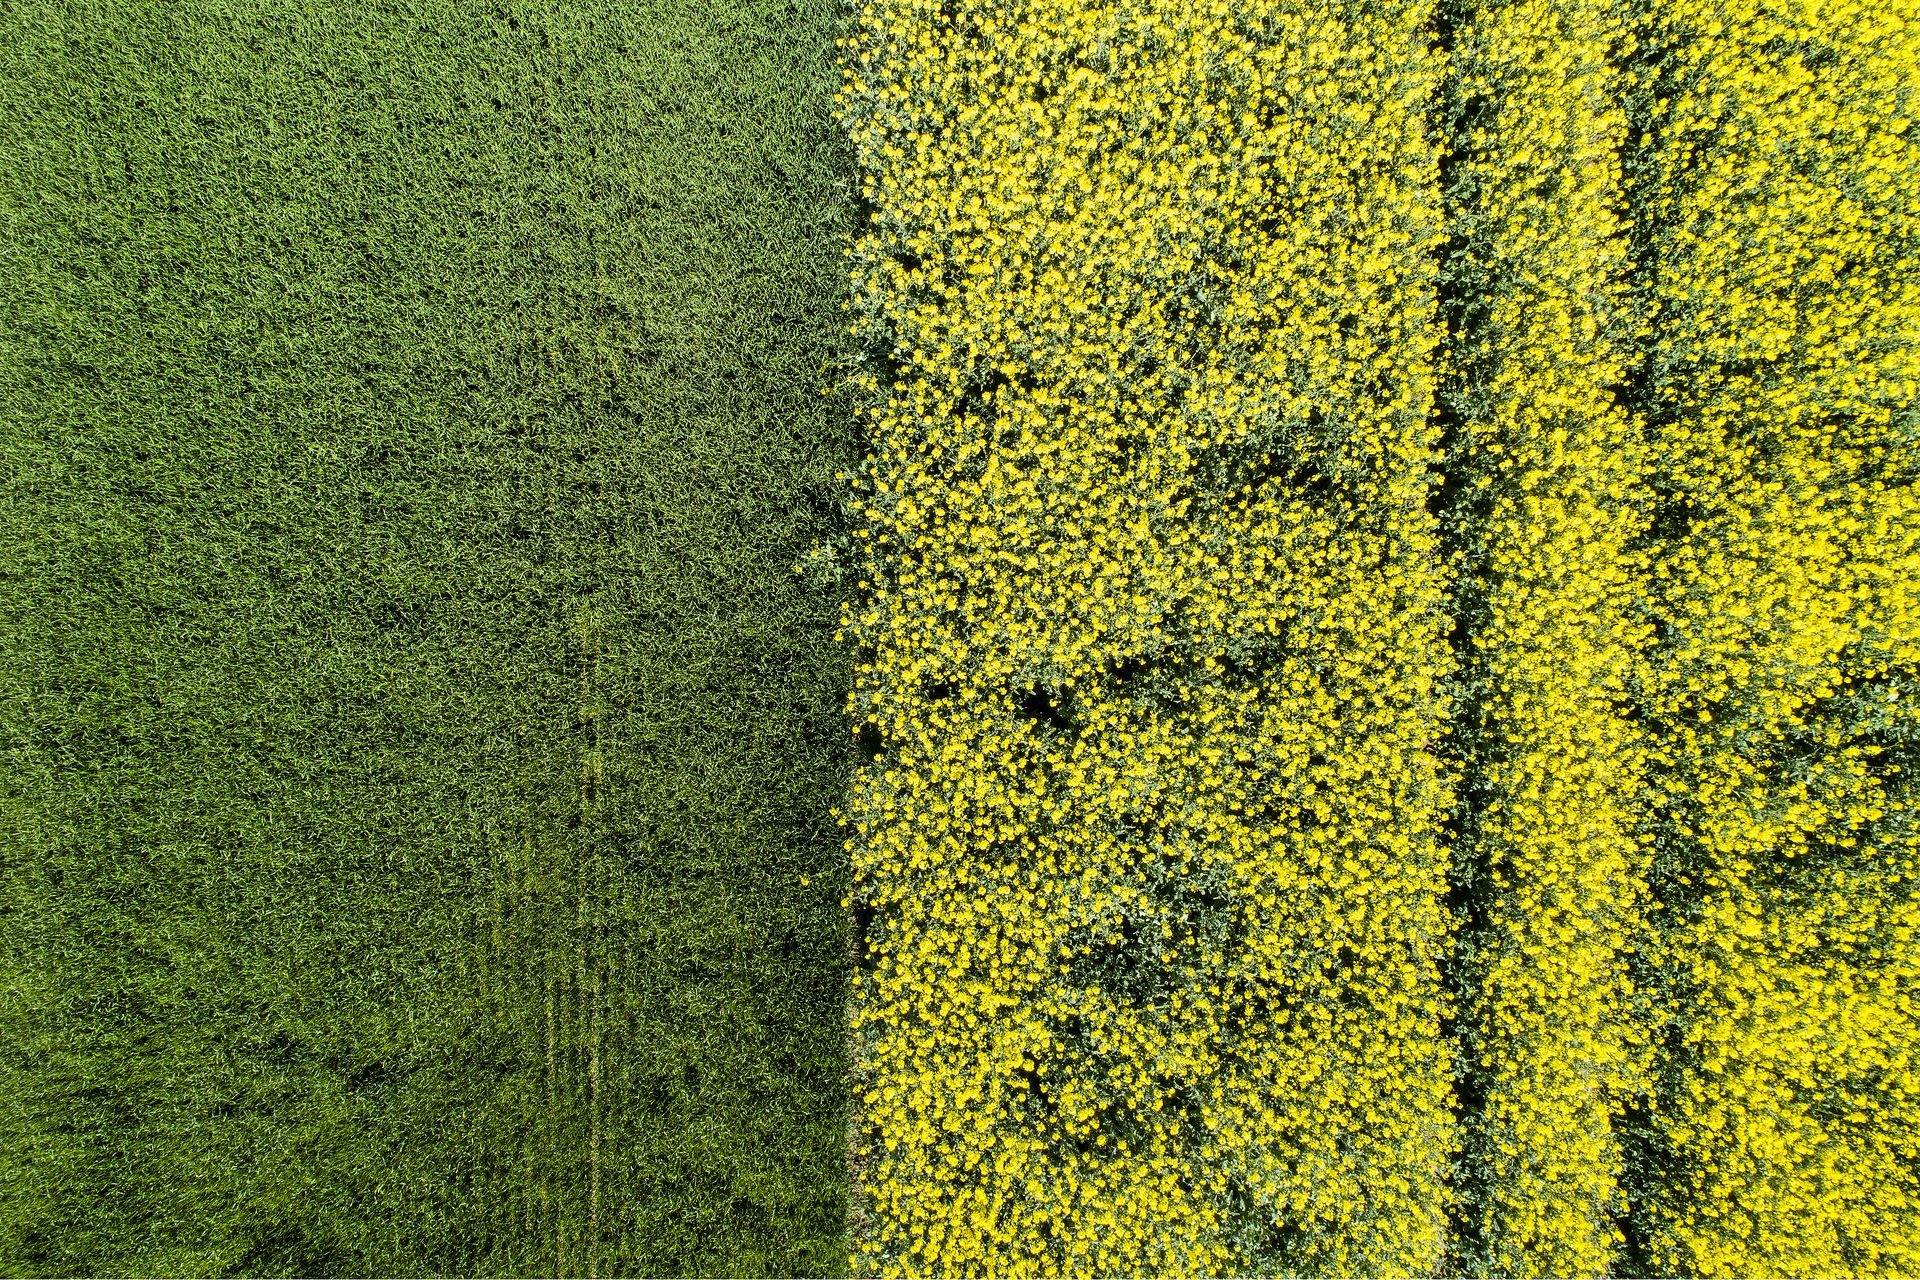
{"x":414,"y":731}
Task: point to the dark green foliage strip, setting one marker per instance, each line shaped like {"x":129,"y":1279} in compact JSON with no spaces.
{"x":414,"y":734}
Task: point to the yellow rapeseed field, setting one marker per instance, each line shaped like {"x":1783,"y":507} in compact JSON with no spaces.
{"x":1545,"y":513}
{"x":1152,"y":631}
{"x":1778,"y":202}
{"x":1388,"y":605}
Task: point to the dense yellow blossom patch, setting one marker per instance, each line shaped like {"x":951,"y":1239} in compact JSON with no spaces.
{"x":1544,"y":475}
{"x":1148,"y":854}
{"x":1778,"y":202}
{"x":1217,"y":625}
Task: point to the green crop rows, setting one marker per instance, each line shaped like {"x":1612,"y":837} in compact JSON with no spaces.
{"x":415,"y":735}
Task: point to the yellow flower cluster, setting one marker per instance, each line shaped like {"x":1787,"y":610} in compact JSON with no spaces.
{"x":1543,"y":515}
{"x":1152,"y":848}
{"x":1777,"y":196}
{"x":1147,"y":854}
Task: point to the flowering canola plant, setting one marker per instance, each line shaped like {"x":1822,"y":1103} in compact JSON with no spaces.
{"x":1147,"y":853}
{"x":1777,"y":198}
{"x":1545,"y":511}
{"x":1388,"y":619}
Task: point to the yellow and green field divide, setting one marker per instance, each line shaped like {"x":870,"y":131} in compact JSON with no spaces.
{"x":960,"y":638}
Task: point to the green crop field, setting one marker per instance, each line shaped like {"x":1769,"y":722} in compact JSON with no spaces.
{"x":415,"y":735}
